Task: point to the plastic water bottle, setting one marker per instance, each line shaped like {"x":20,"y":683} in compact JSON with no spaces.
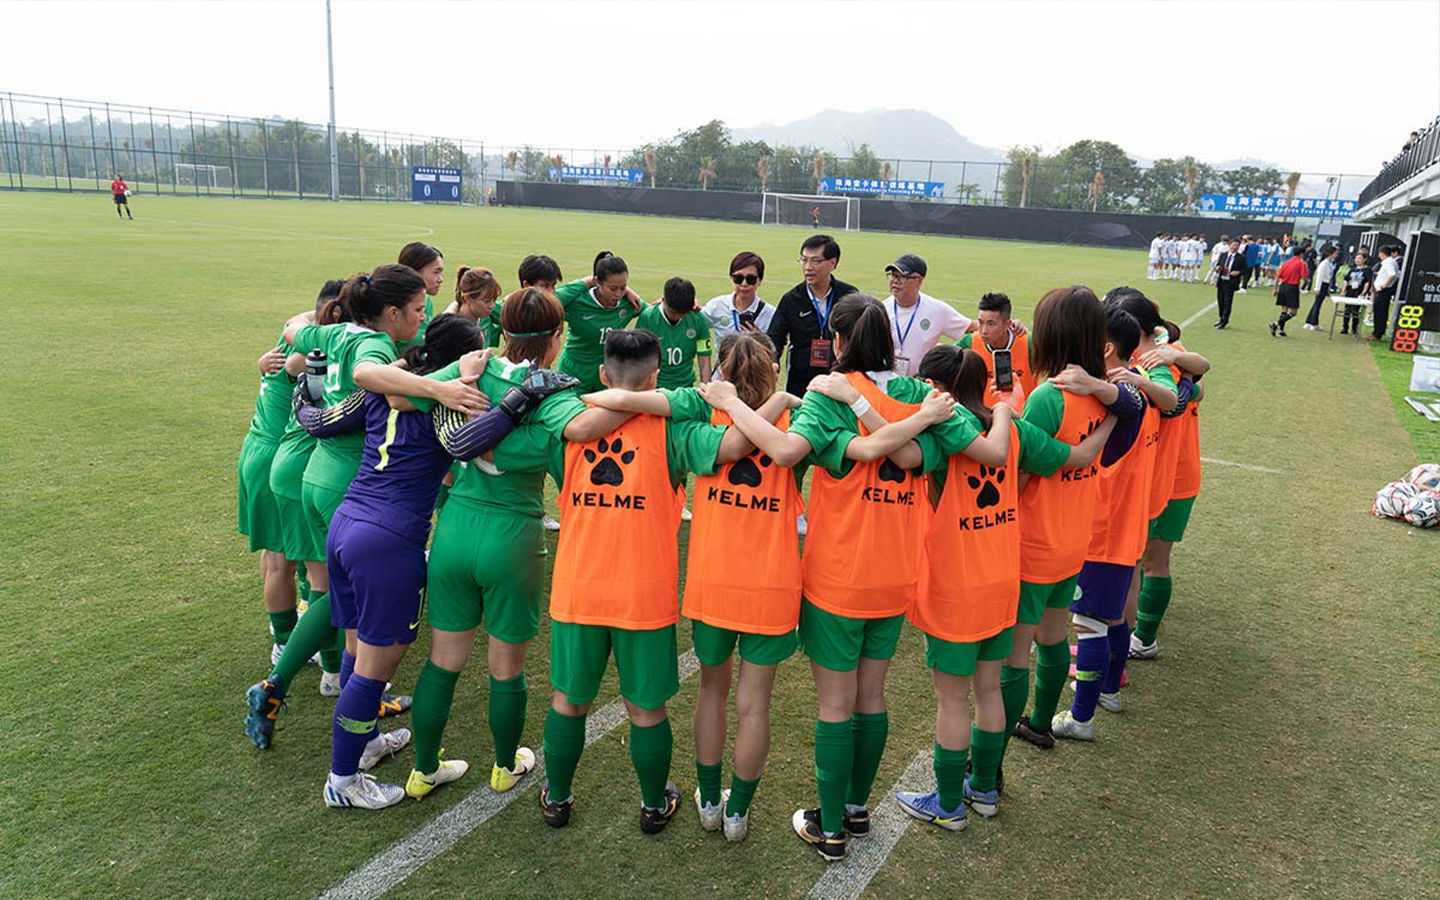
{"x":316,"y":364}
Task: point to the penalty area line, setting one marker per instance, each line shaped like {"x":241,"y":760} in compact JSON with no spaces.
{"x":1187,"y":322}
{"x":409,"y":854}
{"x":848,"y":878}
{"x":1246,"y":467}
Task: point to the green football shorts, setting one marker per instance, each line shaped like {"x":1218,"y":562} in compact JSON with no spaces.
{"x":648,"y":662}
{"x":486,"y":566}
{"x":959,"y":659}
{"x":838,"y":642}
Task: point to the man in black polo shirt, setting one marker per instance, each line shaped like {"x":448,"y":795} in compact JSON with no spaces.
{"x":802,"y":317}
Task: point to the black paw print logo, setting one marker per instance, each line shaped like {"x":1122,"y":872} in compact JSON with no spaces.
{"x":891,"y":472}
{"x":989,"y":494}
{"x":607,"y":471}
{"x":747,"y":472}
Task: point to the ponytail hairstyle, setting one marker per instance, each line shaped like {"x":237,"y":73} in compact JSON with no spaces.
{"x":328,"y":308}
{"x":478,"y":281}
{"x":1069,"y":329}
{"x":862,"y":321}
{"x":530,"y":319}
{"x":1145,"y":311}
{"x":963,"y":374}
{"x":607,"y":264}
{"x":448,"y":338}
{"x":418,"y":255}
{"x":747,"y":360}
{"x":365,"y":297}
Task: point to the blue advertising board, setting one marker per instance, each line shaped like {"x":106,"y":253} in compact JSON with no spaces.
{"x":1275,"y":206}
{"x":901,"y":188}
{"x":432,"y":184}
{"x":596,"y":173}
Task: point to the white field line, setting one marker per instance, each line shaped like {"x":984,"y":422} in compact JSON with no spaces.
{"x":1246,"y":467}
{"x":1186,"y":323}
{"x":406,"y":856}
{"x":847,"y":879}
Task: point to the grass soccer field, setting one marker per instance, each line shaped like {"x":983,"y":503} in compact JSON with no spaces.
{"x":1283,"y":746}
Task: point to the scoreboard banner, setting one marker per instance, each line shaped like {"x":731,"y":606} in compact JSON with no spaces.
{"x":1275,"y":206}
{"x":1419,"y":296}
{"x":432,"y":184}
{"x":899,"y":188}
{"x":596,"y":173}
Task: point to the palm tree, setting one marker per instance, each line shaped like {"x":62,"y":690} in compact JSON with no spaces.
{"x":819,"y":170}
{"x":1027,"y":168}
{"x":650,"y":165}
{"x":605,"y":172}
{"x":707,"y":172}
{"x":967,"y":191}
{"x":557,"y":161}
{"x":1097,"y":187}
{"x":513,"y":160}
{"x":762,"y":168}
{"x":885,"y":172}
{"x":1292,"y":184}
{"x":1192,"y":183}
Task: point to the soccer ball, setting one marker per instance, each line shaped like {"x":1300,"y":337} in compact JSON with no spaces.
{"x":1391,"y":500}
{"x":1425,"y":476}
{"x":1424,"y":510}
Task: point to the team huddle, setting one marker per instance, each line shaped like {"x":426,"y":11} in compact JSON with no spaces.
{"x":993,"y":492}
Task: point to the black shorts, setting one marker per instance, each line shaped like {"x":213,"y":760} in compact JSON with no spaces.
{"x":1288,"y":296}
{"x":121,"y":200}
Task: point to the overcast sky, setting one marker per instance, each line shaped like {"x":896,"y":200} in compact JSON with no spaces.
{"x":1291,"y":82}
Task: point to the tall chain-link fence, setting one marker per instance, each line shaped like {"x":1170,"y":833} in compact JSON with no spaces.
{"x":55,"y":143}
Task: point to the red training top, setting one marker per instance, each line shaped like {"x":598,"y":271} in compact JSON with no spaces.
{"x":118,"y":186}
{"x":1293,"y":271}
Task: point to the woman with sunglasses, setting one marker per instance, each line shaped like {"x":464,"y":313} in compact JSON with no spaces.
{"x":741,"y":309}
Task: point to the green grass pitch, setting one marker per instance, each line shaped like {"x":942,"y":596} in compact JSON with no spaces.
{"x":1283,"y":746}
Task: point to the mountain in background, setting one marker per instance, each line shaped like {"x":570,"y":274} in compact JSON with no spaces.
{"x":891,"y":133}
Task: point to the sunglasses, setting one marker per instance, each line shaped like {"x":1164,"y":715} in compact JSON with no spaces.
{"x":745,"y":279}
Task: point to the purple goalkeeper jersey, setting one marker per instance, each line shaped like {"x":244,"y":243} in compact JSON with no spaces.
{"x":401,"y":469}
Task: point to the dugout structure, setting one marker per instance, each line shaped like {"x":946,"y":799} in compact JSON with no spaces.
{"x":799,"y":209}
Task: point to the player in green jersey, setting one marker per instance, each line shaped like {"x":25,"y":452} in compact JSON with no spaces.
{"x":430,"y":264}
{"x":684,"y":334}
{"x":593,"y":309}
{"x":259,"y":513}
{"x":486,"y":562}
{"x":476,"y":293}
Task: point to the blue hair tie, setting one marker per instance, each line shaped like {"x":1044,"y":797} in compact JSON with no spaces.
{"x":364,"y":279}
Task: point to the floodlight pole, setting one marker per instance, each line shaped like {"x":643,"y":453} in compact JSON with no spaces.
{"x":334,"y":147}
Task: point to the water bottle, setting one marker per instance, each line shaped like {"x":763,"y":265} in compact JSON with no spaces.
{"x":316,"y":365}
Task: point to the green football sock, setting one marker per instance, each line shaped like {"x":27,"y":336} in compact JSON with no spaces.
{"x":1154,"y":599}
{"x":707,"y":778}
{"x":302,"y":583}
{"x":434,"y":692}
{"x":742,"y":791}
{"x":1052,"y":664}
{"x":564,"y":742}
{"x":834,"y":760}
{"x":330,"y":656}
{"x":871,"y":730}
{"x":283,"y":623}
{"x":650,"y":749}
{"x":310,"y":634}
{"x":508,"y":700}
{"x":1014,"y":691}
{"x":986,"y":748}
{"x":950,"y":776}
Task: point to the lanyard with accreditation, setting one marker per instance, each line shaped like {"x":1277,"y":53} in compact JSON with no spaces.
{"x":820,"y":347}
{"x":902,"y":362}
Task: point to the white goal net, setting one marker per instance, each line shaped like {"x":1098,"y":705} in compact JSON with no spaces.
{"x":811,"y":210}
{"x":214,"y":177}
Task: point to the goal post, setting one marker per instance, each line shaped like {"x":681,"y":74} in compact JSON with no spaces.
{"x":800,"y":209}
{"x":205,"y":176}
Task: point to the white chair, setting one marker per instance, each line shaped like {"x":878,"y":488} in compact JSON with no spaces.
{"x":1339,"y":302}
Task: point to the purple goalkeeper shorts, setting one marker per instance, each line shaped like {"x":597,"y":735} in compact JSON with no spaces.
{"x":1103,"y":589}
{"x":377,"y":581}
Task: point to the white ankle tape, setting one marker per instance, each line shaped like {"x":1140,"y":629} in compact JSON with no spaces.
{"x":1097,"y":627}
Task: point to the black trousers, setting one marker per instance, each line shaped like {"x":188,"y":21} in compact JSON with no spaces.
{"x":1382,"y":311}
{"x":1225,"y":299}
{"x":1320,"y":294}
{"x":1245,"y":278}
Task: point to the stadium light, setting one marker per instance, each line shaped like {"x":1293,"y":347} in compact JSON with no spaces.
{"x":334,"y":148}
